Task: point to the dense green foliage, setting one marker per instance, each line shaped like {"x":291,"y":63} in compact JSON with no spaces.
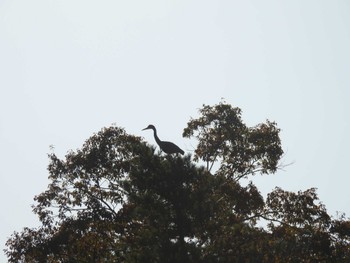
{"x":117,"y":200}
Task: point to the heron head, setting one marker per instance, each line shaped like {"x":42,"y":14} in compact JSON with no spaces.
{"x":149,"y":127}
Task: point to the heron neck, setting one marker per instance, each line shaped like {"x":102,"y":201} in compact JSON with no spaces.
{"x":156,"y":136}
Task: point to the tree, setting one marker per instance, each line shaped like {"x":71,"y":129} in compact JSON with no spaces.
{"x":118,"y":200}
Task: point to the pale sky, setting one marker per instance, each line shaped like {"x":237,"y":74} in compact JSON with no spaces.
{"x":69,"y":68}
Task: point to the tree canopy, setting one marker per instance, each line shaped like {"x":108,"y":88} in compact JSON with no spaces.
{"x":117,"y":199}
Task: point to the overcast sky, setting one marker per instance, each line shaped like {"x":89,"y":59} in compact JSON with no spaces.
{"x":69,"y":68}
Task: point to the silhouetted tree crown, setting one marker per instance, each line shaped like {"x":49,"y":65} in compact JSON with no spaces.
{"x":118,"y":200}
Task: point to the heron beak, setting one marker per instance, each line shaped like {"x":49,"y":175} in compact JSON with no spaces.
{"x":145,"y":128}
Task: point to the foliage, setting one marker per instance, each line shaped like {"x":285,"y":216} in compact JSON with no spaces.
{"x":117,"y":200}
{"x":242,"y":150}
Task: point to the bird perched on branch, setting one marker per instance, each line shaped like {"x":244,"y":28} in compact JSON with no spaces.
{"x":167,"y":147}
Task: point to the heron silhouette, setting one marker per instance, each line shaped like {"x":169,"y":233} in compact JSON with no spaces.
{"x":167,"y":147}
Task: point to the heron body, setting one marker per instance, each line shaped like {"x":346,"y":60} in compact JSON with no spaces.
{"x":167,"y":147}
